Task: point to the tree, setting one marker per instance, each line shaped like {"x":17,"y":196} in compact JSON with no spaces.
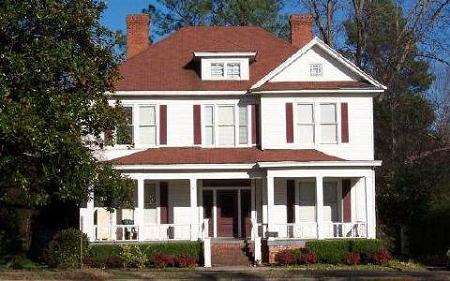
{"x":57,"y":62}
{"x":170,"y":15}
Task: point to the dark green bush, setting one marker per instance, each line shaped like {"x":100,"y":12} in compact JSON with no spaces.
{"x":329,"y":251}
{"x":335,"y":251}
{"x":100,"y":253}
{"x":65,"y":249}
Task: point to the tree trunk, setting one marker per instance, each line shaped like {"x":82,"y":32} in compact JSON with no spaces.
{"x":24,"y":230}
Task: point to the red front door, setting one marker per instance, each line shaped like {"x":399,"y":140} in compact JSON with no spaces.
{"x":227,"y":213}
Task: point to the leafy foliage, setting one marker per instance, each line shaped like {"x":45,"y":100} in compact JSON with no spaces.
{"x":57,"y":62}
{"x":67,"y":248}
{"x":170,"y":15}
{"x":133,"y":256}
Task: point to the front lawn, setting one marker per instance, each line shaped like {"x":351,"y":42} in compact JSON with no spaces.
{"x":213,"y":273}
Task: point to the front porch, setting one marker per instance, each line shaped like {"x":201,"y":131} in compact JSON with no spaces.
{"x":275,"y":204}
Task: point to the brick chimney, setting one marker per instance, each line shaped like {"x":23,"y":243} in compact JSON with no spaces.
{"x":301,"y":29}
{"x":137,"y":34}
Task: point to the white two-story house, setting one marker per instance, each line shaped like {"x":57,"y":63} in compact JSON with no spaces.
{"x":235,"y":133}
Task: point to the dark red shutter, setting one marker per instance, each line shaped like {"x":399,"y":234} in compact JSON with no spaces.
{"x":163,"y":124}
{"x":347,"y":200}
{"x":289,"y":123}
{"x":164,"y":202}
{"x":255,"y":123}
{"x":344,"y":122}
{"x":197,"y":124}
{"x":290,"y":185}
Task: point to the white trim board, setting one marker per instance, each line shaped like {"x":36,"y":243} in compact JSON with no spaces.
{"x":317,"y":42}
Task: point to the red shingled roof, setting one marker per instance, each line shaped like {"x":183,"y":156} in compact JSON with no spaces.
{"x":169,"y":66}
{"x":194,"y":155}
{"x":322,"y":85}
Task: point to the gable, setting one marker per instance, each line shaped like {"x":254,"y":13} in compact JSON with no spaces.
{"x":335,"y":68}
{"x":299,"y":69}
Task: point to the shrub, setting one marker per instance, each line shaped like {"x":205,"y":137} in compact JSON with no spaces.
{"x":133,"y":256}
{"x":65,"y":249}
{"x":185,"y":261}
{"x":174,"y":248}
{"x":310,"y":258}
{"x":335,"y":251}
{"x":329,"y":251}
{"x":365,"y":247}
{"x":285,"y":257}
{"x":161,"y":260}
{"x":115,"y":262}
{"x":382,"y":257}
{"x":353,"y":258}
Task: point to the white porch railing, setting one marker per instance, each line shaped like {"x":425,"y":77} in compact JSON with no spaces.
{"x":309,"y":230}
{"x":345,"y":230}
{"x":151,"y":232}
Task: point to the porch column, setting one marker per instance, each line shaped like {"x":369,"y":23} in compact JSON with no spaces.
{"x":370,"y":205}
{"x":140,"y":209}
{"x":319,"y":206}
{"x":194,"y":209}
{"x":87,"y":218}
{"x":270,"y":202}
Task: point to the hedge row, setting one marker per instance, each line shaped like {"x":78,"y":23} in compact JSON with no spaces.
{"x":99,"y":252}
{"x":336,"y":251}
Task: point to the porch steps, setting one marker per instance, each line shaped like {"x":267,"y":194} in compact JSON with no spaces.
{"x":232,"y":252}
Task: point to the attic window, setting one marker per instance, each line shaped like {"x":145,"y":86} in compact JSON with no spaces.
{"x":315,"y":70}
{"x":217,"y":70}
{"x":233,"y":70}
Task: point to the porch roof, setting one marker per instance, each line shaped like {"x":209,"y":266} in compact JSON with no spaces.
{"x":197,"y":155}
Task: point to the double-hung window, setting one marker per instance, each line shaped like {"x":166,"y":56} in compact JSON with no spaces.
{"x":226,"y":125}
{"x":150,"y":204}
{"x":233,"y":70}
{"x":217,"y":70}
{"x":147,"y":125}
{"x":328,"y":123}
{"x":208,"y":127}
{"x":126,"y":135}
{"x":243,"y":125}
{"x":305,"y":123}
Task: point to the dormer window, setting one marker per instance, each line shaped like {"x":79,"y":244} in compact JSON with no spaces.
{"x":217,"y":70}
{"x":233,"y":70}
{"x":225,"y":65}
{"x":315,"y":70}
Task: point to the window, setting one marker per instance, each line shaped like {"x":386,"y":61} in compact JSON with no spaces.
{"x":126,"y":135}
{"x":243,"y":125}
{"x":330,"y":201}
{"x":315,"y":70}
{"x":226,"y":125}
{"x":307,"y":201}
{"x":208,"y":122}
{"x":150,"y":204}
{"x":217,"y":70}
{"x":305,"y":123}
{"x":147,"y":125}
{"x":233,"y":70}
{"x":328,"y":123}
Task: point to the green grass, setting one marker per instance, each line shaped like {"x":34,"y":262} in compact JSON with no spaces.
{"x":199,"y":273}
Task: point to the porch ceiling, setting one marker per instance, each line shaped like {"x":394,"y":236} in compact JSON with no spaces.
{"x":194,"y":155}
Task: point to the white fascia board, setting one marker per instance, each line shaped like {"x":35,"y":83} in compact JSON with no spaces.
{"x":356,"y":91}
{"x":327,"y":49}
{"x":176,"y":93}
{"x":224,"y":54}
{"x":344,"y":163}
{"x":186,"y":167}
